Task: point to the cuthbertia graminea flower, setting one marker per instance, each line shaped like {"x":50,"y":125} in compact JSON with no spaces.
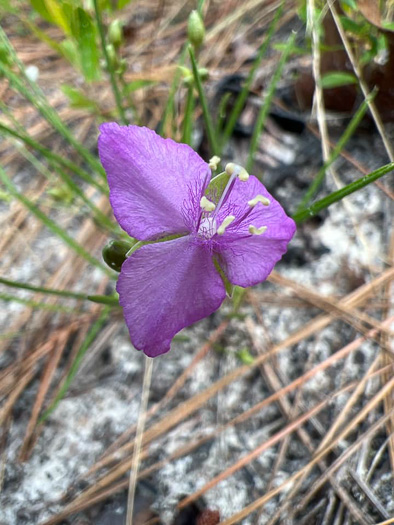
{"x":158,"y":188}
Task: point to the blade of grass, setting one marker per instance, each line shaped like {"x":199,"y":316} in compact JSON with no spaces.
{"x":36,"y":304}
{"x":38,"y":99}
{"x":52,"y":157}
{"x":241,"y":99}
{"x":350,"y":129}
{"x":188,"y":117}
{"x":41,"y":289}
{"x":338,"y":195}
{"x":109,"y":64}
{"x":101,"y":219}
{"x":90,"y":337}
{"x":169,"y":109}
{"x":264,"y":110}
{"x":55,"y":228}
{"x":213,"y":143}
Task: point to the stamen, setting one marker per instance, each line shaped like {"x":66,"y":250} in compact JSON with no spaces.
{"x":227,"y":221}
{"x":213,"y":162}
{"x":206,"y":204}
{"x":259,"y":198}
{"x":257,"y":231}
{"x":236,"y":169}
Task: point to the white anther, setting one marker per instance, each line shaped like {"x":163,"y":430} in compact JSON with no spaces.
{"x":213,"y":162}
{"x":259,"y":198}
{"x":227,"y":221}
{"x":206,"y":204}
{"x":257,"y":231}
{"x":238,"y":170}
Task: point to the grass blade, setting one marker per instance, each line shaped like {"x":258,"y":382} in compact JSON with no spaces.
{"x":241,"y":99}
{"x":213,"y":144}
{"x":338,"y":195}
{"x":90,"y":337}
{"x":55,"y":228}
{"x":41,"y":289}
{"x":351,"y":128}
{"x":264,"y":110}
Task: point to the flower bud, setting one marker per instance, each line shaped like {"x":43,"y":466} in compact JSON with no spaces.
{"x":114,"y":254}
{"x":195,"y":29}
{"x":115,"y":34}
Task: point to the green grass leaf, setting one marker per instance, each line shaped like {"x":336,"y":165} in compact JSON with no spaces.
{"x":85,"y":33}
{"x":334,"y":79}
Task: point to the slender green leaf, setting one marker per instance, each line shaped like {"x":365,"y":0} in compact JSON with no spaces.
{"x":109,"y":63}
{"x":334,"y":79}
{"x":41,"y":8}
{"x":36,"y":304}
{"x":264,"y":110}
{"x":336,"y":196}
{"x":78,"y":99}
{"x":350,"y":129}
{"x":90,"y":337}
{"x":53,"y":158}
{"x":241,"y":99}
{"x":130,"y":87}
{"x":212,"y":139}
{"x":84,"y":32}
{"x":55,"y":228}
{"x":188,"y":117}
{"x":41,"y":289}
{"x":38,"y":99}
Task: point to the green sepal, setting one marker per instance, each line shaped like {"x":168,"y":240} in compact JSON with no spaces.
{"x":217,"y":184}
{"x":139,"y":244}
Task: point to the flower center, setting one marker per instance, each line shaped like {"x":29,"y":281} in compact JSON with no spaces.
{"x":208,"y":225}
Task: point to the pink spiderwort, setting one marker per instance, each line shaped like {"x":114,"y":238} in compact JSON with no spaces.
{"x":158,"y":189}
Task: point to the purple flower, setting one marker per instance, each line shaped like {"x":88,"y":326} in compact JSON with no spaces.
{"x":158,"y":188}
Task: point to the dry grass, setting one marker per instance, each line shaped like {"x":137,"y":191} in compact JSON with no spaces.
{"x":40,"y":345}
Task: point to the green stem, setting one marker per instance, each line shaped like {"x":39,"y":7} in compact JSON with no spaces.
{"x":351,"y":128}
{"x":36,"y":304}
{"x":214,"y":146}
{"x":336,"y":196}
{"x":55,"y":228}
{"x":241,"y":99}
{"x":53,"y":157}
{"x":40,"y":289}
{"x":91,"y":336}
{"x":38,"y":99}
{"x":188,"y":118}
{"x":109,"y":64}
{"x":264,"y":110}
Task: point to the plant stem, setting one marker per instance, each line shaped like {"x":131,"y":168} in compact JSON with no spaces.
{"x":317,"y":181}
{"x":40,"y":289}
{"x":109,"y":64}
{"x":264,"y":110}
{"x":338,"y":195}
{"x":214,"y":146}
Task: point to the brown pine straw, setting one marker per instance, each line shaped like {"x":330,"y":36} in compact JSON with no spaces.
{"x":89,"y":495}
{"x":113,"y":452}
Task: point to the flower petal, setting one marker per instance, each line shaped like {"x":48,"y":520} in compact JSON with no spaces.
{"x":155,"y":184}
{"x":166,"y":286}
{"x":249,"y":259}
